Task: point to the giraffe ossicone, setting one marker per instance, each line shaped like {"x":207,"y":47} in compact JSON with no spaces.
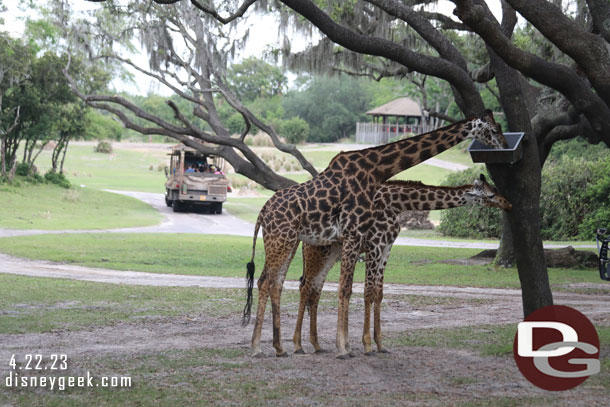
{"x":336,"y":206}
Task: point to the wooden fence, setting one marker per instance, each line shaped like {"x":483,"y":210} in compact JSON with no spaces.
{"x":379,"y":133}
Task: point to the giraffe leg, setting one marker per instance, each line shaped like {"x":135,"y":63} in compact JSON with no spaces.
{"x":349,"y":256}
{"x":378,"y":295}
{"x":377,"y":333}
{"x":328,"y":257}
{"x":275,"y":294}
{"x":311,"y":256}
{"x":263,"y":294}
{"x":373,"y":259}
{"x":366,"y":330}
{"x":303,"y":298}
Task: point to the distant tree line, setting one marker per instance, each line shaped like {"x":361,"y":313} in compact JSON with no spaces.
{"x":37,"y":107}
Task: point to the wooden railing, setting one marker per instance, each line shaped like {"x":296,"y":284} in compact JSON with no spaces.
{"x":379,"y":133}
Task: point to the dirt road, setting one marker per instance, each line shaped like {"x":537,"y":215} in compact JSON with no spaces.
{"x":37,"y":268}
{"x":410,"y":375}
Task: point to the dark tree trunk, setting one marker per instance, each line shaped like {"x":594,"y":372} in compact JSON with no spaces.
{"x":3,"y":155}
{"x":506,"y":252}
{"x":63,"y":157}
{"x":520,"y":184}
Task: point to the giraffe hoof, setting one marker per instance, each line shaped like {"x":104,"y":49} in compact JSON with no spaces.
{"x":258,"y":355}
{"x":281,"y":355}
{"x":299,"y":352}
{"x":383,"y":350}
{"x":351,"y":354}
{"x":321,"y":350}
{"x":371,"y":353}
{"x":343,"y":356}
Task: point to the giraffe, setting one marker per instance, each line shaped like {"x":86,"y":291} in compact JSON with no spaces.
{"x":391,"y":200}
{"x":337,"y":206}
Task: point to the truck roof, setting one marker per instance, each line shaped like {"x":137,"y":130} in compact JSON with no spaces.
{"x":181,"y":147}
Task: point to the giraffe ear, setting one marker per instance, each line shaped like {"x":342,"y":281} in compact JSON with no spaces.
{"x":482,"y":178}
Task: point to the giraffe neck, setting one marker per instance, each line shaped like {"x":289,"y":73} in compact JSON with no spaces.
{"x":401,"y":197}
{"x":390,"y":159}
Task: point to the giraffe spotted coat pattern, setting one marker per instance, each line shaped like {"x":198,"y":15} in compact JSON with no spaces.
{"x":337,"y":206}
{"x":391,"y":200}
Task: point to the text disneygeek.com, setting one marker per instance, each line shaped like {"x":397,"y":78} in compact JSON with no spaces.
{"x":27,"y":375}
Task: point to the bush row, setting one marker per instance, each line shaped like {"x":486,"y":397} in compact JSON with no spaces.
{"x":574,"y":201}
{"x":30,"y":174}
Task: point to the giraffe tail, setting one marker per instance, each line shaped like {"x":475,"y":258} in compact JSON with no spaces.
{"x":250,"y":268}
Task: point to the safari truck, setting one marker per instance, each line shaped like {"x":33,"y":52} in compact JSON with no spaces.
{"x":195,"y":179}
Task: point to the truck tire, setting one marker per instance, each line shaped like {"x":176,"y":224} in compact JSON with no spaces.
{"x":167,"y":201}
{"x":177,"y":206}
{"x":218,"y":208}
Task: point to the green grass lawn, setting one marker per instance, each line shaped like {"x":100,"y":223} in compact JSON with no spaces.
{"x":217,"y":255}
{"x":125,"y":169}
{"x":433,"y":234}
{"x":319,"y":158}
{"x":130,"y":170}
{"x":48,"y":206}
{"x":44,"y":304}
{"x":428,"y":174}
{"x":245,"y":208}
{"x":458,"y":154}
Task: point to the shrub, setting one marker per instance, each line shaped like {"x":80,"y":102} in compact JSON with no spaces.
{"x":103,"y":147}
{"x":470,"y":221}
{"x":295,"y":130}
{"x":57,"y":178}
{"x":597,"y":196}
{"x":574,"y":201}
{"x":23,"y":169}
{"x":563,"y":197}
{"x":235,"y":123}
{"x":29,"y":173}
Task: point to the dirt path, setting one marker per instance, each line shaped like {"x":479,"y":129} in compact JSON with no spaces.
{"x":37,"y":268}
{"x":408,"y":376}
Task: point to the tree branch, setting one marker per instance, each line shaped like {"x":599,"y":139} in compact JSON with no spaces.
{"x":224,"y":20}
{"x":600,"y":12}
{"x":555,"y":76}
{"x":287,"y":148}
{"x":562,"y":132}
{"x":458,"y":78}
{"x":443,"y":116}
{"x":419,"y":23}
{"x":588,"y":50}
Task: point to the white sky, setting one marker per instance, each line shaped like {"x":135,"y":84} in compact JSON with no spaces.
{"x":263,"y":33}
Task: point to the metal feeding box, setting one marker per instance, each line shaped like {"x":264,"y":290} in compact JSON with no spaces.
{"x":481,"y":153}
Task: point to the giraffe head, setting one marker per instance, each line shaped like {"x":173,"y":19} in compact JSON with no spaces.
{"x":487,"y":131}
{"x":481,"y":193}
